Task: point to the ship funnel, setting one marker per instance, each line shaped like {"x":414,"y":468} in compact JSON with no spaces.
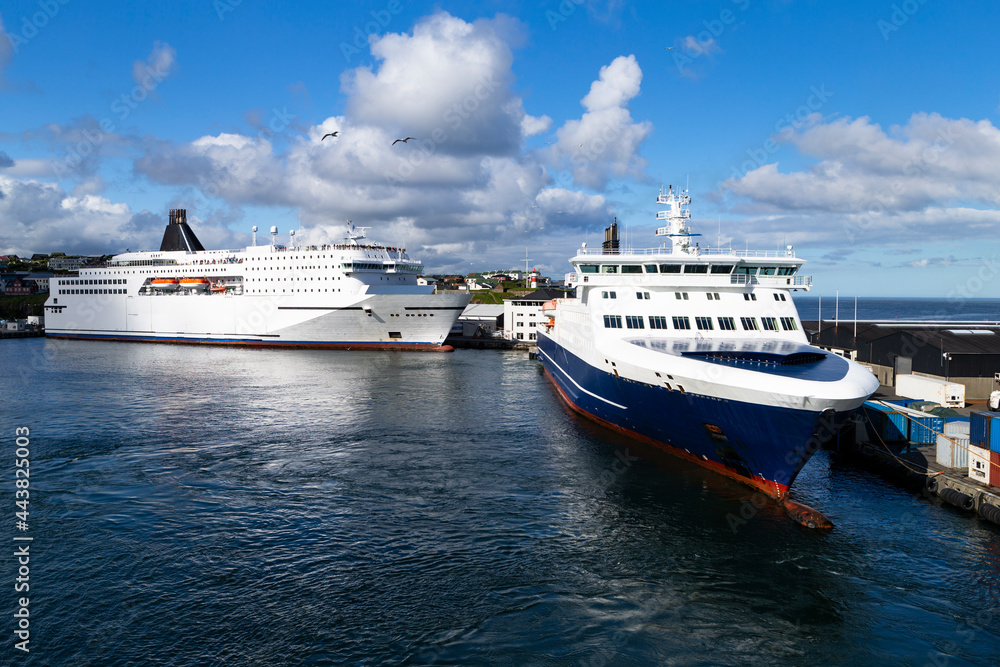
{"x":610,"y":245}
{"x":178,"y":236}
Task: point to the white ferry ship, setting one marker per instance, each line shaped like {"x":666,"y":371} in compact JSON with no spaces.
{"x":700,"y":352}
{"x":352,"y":295}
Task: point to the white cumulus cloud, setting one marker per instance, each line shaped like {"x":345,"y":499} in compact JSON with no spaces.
{"x":604,"y":143}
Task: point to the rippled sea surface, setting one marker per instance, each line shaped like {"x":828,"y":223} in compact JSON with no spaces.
{"x":214,"y":506}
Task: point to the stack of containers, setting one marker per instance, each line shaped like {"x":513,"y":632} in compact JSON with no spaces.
{"x":984,"y":443}
{"x":953,"y":445}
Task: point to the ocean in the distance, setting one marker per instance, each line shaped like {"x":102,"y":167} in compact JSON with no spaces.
{"x":903,"y":309}
{"x":217,"y":506}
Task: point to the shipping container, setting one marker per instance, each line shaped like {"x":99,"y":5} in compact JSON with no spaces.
{"x":944,"y":393}
{"x":957,"y":427}
{"x":979,"y":464}
{"x":985,"y":430}
{"x":923,"y":428}
{"x":953,"y":451}
{"x":885,"y":424}
{"x":995,"y":469}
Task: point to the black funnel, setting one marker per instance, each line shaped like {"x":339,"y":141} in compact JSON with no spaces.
{"x":178,"y":236}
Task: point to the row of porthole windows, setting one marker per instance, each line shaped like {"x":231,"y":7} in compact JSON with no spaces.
{"x":115,"y":281}
{"x":293,"y":290}
{"x":682,"y":322}
{"x":279,"y":279}
{"x":683,"y":296}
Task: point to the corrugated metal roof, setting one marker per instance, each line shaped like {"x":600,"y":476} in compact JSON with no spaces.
{"x":481,"y":311}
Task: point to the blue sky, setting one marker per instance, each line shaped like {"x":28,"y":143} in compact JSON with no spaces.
{"x":864,"y":133}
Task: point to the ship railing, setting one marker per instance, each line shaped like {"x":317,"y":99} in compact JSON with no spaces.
{"x":693,"y":252}
{"x":771,"y":281}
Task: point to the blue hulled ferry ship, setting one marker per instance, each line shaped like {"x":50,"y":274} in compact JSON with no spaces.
{"x":700,"y":352}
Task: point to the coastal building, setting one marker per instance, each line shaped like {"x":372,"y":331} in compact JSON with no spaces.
{"x":962,"y":352}
{"x":70,"y":263}
{"x":19,"y":287}
{"x":481,"y":320}
{"x":522,"y":316}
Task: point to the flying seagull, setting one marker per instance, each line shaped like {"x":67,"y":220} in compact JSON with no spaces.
{"x":331,"y":134}
{"x":403,"y":140}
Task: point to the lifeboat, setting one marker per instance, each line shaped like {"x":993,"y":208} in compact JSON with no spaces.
{"x":165,"y":284}
{"x":218,"y":288}
{"x":195,"y":284}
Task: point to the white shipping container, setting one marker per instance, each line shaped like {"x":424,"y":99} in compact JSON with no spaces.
{"x":946,"y":394}
{"x":953,"y":451}
{"x":979,"y":464}
{"x":957,"y":428}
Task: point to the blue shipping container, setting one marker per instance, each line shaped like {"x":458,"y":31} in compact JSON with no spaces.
{"x":979,"y":429}
{"x":888,"y":424}
{"x":924,"y":428}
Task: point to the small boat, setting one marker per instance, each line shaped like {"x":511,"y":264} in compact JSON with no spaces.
{"x":165,"y":284}
{"x":195,"y":284}
{"x":218,"y":288}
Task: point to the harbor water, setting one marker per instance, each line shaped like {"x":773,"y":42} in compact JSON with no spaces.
{"x":220,"y":506}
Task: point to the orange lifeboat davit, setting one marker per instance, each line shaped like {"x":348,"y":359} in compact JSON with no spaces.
{"x":165,"y":284}
{"x":549,"y":311}
{"x":195,"y":284}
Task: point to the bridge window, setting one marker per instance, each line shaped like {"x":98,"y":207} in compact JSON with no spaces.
{"x":770,"y":323}
{"x":727,"y":324}
{"x":681,"y":322}
{"x":613,"y":321}
{"x":789,"y":324}
{"x":588,"y":268}
{"x":634,"y":322}
{"x":722,"y":268}
{"x":749,"y":323}
{"x":609,"y":268}
{"x":696,"y":268}
{"x":704,"y":323}
{"x":670,"y":268}
{"x":631,"y":268}
{"x":657,"y":322}
{"x":650,"y":268}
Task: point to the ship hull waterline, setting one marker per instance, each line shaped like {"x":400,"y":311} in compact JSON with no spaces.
{"x":302,"y":345}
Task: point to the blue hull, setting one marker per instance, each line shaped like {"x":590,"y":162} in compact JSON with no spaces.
{"x":763,"y":446}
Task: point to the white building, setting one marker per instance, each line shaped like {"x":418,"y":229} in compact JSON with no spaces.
{"x":523,"y":315}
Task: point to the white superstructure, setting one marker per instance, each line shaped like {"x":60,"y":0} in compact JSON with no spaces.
{"x":355,"y":294}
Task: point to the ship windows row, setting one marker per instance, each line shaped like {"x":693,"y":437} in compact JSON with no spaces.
{"x":682,"y":323}
{"x":700,"y":268}
{"x":109,"y":281}
{"x":114,"y":290}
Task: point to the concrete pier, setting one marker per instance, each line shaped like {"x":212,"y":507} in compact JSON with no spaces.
{"x":915,"y":466}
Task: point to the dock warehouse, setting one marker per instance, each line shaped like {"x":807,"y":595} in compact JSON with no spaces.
{"x":963,"y":352}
